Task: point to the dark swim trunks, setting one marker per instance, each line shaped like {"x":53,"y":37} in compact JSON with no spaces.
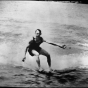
{"x":34,"y":45}
{"x":30,"y":50}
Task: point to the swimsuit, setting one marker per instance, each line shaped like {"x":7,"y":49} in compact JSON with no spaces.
{"x":34,"y":45}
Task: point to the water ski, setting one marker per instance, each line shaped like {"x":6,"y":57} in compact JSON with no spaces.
{"x":56,"y":72}
{"x":45,"y":72}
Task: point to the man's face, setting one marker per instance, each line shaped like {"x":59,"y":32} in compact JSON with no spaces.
{"x":37,"y":33}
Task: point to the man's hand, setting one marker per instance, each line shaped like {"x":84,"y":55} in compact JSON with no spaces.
{"x":63,"y":46}
{"x":23,"y":59}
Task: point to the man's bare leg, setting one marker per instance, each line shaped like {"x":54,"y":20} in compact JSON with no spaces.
{"x":37,"y":59}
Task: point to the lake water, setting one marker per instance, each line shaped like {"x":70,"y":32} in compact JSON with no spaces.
{"x":66,"y":25}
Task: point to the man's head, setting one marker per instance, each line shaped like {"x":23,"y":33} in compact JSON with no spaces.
{"x":38,"y":32}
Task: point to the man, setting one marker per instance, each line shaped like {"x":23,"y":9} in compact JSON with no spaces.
{"x":34,"y":49}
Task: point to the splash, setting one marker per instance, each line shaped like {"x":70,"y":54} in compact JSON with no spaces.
{"x":4,"y":50}
{"x":84,"y":60}
{"x":9,"y":54}
{"x":71,"y":61}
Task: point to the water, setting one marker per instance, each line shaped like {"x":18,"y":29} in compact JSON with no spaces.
{"x":19,"y":20}
{"x":22,"y":77}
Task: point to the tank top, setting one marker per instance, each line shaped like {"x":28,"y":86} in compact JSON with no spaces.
{"x":35,"y":43}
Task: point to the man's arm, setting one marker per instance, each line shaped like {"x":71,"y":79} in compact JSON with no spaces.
{"x":26,"y":51}
{"x":25,"y":54}
{"x":63,"y":46}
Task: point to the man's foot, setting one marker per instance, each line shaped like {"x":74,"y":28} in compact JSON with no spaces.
{"x":40,"y":69}
{"x":50,"y":70}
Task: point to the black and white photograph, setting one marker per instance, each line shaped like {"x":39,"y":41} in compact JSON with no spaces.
{"x":43,"y":43}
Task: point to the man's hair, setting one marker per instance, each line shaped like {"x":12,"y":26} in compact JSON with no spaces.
{"x":38,"y":30}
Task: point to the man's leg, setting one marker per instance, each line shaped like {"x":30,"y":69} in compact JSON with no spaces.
{"x":45,"y":53}
{"x":37,"y":58}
